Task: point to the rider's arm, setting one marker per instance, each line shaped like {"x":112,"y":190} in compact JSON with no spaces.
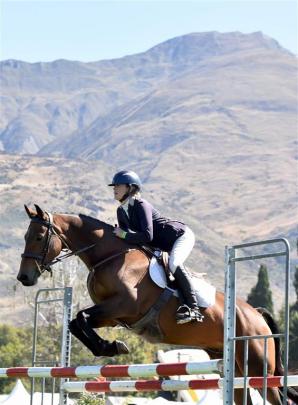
{"x":143,"y":215}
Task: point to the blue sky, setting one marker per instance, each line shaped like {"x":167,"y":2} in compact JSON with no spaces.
{"x":41,"y":30}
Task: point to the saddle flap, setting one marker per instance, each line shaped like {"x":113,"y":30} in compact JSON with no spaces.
{"x":205,"y":291}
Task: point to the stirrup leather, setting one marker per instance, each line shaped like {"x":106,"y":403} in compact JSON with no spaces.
{"x":185,"y":314}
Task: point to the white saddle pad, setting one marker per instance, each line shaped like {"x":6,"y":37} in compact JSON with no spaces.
{"x":205,"y":291}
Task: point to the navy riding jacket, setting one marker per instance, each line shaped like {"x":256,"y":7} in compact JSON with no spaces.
{"x":145,"y":226}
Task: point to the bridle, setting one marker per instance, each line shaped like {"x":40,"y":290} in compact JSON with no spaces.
{"x":40,"y":259}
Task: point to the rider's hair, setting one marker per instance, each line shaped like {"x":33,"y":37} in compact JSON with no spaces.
{"x":134,"y":191}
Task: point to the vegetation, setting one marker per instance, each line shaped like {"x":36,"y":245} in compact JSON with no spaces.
{"x":91,"y":399}
{"x":15,"y":350}
{"x":261,"y":295}
{"x":293,"y":327}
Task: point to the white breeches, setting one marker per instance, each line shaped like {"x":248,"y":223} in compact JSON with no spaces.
{"x":181,"y":249}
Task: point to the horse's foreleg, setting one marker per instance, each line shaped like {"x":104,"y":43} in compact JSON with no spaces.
{"x":80,"y":328}
{"x":95,"y":317}
{"x":99,"y":347}
{"x":91,"y":343}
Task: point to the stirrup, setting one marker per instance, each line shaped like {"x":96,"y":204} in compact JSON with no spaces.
{"x":186,"y":314}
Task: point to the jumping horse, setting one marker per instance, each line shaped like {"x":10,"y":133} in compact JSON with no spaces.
{"x":123,"y":293}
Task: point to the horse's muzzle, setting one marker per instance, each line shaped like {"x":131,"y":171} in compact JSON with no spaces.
{"x":24,"y":279}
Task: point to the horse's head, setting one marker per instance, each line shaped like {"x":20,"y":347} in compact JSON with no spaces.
{"x":42,"y":245}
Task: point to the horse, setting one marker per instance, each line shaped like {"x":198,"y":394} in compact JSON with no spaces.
{"x":124,"y":294}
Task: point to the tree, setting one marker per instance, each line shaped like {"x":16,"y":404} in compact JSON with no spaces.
{"x":296,"y":284}
{"x":261,"y":295}
{"x":293,"y":327}
{"x":15,"y":350}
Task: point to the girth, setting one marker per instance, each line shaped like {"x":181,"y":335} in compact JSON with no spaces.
{"x":149,"y":325}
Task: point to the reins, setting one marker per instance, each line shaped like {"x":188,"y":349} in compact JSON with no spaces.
{"x":71,"y":253}
{"x":107,"y":259}
{"x":40,"y":258}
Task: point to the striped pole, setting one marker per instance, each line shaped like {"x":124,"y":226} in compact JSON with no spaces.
{"x":174,"y":385}
{"x":135,"y":370}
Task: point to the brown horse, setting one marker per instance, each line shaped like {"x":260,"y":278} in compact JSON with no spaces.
{"x":123,"y":293}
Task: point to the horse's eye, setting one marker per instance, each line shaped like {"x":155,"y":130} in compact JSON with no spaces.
{"x":39,"y":237}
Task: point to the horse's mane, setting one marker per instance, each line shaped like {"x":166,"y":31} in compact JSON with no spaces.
{"x":94,"y":222}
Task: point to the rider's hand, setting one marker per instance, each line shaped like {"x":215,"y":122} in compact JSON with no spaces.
{"x":119,"y":232}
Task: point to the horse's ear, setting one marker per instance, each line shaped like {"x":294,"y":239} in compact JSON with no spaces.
{"x":40,"y":213}
{"x":30,"y":212}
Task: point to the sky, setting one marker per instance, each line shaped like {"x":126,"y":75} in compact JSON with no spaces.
{"x":93,"y":30}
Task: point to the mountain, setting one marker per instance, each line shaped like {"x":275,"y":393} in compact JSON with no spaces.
{"x":208,"y":120}
{"x":44,"y":103}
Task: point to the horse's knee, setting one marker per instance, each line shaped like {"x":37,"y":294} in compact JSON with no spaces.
{"x":72,"y":326}
{"x":81,"y":316}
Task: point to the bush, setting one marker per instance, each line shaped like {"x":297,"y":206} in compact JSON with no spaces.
{"x":91,"y":399}
{"x":15,"y":350}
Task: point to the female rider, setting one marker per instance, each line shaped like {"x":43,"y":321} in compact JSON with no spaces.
{"x":140,"y":223}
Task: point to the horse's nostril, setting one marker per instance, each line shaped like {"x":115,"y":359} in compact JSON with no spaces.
{"x":22,"y":277}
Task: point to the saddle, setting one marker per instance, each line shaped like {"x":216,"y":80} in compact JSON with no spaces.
{"x":162,"y":259}
{"x":160,"y":274}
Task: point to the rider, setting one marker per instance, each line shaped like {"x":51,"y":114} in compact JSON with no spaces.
{"x":140,"y":223}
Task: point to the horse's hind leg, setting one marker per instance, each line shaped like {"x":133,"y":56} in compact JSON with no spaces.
{"x":273,"y":396}
{"x":255,"y":366}
{"x":239,"y":393}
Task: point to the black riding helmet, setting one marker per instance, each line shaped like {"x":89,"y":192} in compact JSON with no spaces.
{"x":126,"y":177}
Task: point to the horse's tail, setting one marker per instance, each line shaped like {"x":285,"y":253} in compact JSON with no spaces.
{"x":279,"y":368}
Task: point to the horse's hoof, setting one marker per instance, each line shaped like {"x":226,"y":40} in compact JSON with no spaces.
{"x":121,"y":347}
{"x":110,"y":349}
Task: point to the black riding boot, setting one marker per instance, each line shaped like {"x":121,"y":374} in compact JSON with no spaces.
{"x":190,"y":310}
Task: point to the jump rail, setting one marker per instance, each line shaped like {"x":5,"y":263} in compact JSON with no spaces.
{"x":175,"y":385}
{"x":136,"y":370}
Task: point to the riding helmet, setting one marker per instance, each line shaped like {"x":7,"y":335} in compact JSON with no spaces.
{"x":126,"y":177}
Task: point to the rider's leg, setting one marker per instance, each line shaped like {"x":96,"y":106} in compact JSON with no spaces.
{"x":190,"y":310}
{"x":179,"y":253}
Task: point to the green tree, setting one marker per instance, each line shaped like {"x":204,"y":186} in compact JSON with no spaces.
{"x":293,"y":327}
{"x":296,"y":284}
{"x":15,"y":350}
{"x":261,"y":295}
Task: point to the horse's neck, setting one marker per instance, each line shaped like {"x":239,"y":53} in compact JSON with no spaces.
{"x":80,"y":234}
